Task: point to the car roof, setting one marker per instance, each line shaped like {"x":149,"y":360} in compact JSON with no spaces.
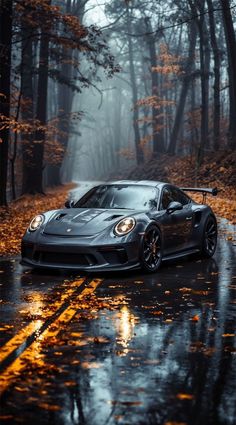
{"x":137,"y":183}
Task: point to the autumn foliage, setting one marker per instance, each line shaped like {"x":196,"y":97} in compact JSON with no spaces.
{"x":15,"y":218}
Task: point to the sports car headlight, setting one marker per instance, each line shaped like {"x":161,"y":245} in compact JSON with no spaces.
{"x":124,"y":226}
{"x":36,"y":223}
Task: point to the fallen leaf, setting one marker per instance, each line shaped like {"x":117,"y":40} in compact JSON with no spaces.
{"x":195,"y":318}
{"x":76,"y":334}
{"x":228,"y":335}
{"x":185,"y":289}
{"x":185,"y":396}
{"x":200,"y":292}
{"x":21,"y":389}
{"x":74,"y":362}
{"x":52,"y":407}
{"x":70,"y":384}
{"x":92,"y":365}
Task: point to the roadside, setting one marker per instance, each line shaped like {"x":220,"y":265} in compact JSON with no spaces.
{"x":15,"y":218}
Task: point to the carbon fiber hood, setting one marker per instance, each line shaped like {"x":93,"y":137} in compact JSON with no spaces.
{"x":84,"y":222}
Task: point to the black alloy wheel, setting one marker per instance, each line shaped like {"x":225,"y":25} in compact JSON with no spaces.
{"x":209,"y":237}
{"x":151,"y":254}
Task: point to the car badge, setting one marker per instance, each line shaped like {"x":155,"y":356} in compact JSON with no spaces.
{"x":68,"y":230}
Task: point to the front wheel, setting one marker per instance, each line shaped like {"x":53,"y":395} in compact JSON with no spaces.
{"x":151,"y":251}
{"x":209,"y":237}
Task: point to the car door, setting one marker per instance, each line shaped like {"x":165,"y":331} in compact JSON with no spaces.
{"x":177,"y":226}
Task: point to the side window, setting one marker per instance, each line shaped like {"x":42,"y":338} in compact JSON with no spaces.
{"x":180,"y":197}
{"x":167,"y":197}
{"x":170,"y":194}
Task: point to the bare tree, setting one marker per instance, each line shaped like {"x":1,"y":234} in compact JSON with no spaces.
{"x":5,"y":91}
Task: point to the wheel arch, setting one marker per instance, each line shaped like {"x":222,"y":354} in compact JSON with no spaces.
{"x":210,"y":215}
{"x":151,"y":224}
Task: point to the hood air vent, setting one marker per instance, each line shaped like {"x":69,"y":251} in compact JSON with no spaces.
{"x":60,"y":216}
{"x":113,"y":217}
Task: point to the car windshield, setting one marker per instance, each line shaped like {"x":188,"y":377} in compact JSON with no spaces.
{"x":120,"y":196}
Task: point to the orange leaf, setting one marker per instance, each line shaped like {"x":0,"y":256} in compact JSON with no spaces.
{"x":47,"y":406}
{"x":228,"y":335}
{"x":183,"y":396}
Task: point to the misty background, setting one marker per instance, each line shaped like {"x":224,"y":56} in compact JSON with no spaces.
{"x":90,"y":89}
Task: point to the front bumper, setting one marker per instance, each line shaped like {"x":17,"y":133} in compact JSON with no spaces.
{"x":59,"y":253}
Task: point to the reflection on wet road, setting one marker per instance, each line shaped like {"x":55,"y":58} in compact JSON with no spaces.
{"x":120,"y":348}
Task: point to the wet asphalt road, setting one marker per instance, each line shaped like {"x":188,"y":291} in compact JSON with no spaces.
{"x":120,"y":348}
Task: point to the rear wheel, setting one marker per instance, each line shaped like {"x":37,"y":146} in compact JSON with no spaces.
{"x":209,"y":237}
{"x":151,"y":251}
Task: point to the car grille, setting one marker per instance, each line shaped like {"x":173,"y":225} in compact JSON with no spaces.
{"x":61,"y":258}
{"x":109,"y":254}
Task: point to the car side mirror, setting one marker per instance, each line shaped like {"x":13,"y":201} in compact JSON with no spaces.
{"x":69,"y":203}
{"x":174,"y":206}
{"x":153,"y":203}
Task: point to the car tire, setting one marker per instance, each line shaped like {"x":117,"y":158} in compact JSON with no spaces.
{"x":151,"y":249}
{"x":209,"y":239}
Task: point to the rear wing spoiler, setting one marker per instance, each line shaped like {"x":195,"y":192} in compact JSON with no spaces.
{"x":203,"y":190}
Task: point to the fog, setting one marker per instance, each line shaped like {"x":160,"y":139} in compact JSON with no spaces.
{"x":94,"y":88}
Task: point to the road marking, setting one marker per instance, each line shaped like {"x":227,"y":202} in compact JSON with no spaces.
{"x":33,"y":351}
{"x":34,"y":326}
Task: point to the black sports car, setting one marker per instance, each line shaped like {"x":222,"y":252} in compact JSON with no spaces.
{"x":122,"y":225}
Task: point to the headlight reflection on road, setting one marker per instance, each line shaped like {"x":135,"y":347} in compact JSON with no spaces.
{"x":37,"y":303}
{"x":125,"y":324}
{"x":35,"y":311}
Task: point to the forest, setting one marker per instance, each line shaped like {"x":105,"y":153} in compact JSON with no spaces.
{"x":118,"y":301}
{"x":91,"y":89}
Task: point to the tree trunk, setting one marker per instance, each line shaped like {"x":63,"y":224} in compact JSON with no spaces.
{"x":5,"y":90}
{"x":216,"y":87}
{"x":231,"y":52}
{"x":33,"y":174}
{"x":41,"y":115}
{"x":139,"y":152}
{"x":117,"y":126}
{"x":27,"y":106}
{"x":204,"y":64}
{"x":184,"y":90}
{"x":198,"y":9}
{"x":158,"y":140}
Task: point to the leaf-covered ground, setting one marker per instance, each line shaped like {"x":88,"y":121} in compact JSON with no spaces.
{"x":215,"y":171}
{"x":15,"y":218}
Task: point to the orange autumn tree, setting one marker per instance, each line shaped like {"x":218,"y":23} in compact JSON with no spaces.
{"x":161,"y":101}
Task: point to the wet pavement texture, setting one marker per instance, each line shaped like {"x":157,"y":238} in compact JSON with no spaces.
{"x":122,"y":348}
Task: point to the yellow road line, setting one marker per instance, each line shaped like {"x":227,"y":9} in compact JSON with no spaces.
{"x":34,"y":326}
{"x":33,"y":352}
